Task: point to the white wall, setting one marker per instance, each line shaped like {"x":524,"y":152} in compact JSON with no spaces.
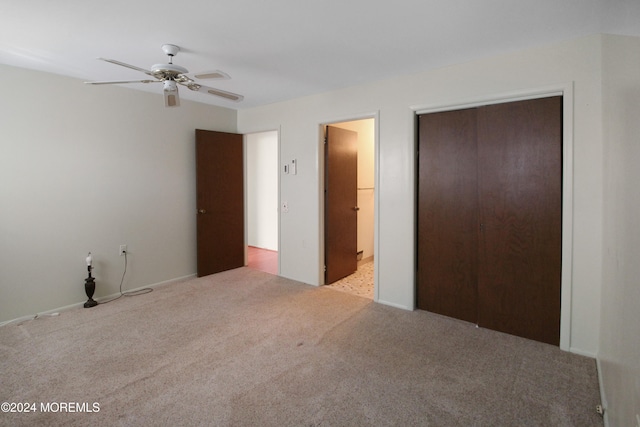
{"x":619,"y":354}
{"x":577,"y":62}
{"x":262,"y":189}
{"x":86,"y":168}
{"x":366,"y":182}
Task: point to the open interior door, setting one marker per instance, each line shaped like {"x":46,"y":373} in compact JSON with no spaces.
{"x":341,"y":200}
{"x":220,"y":201}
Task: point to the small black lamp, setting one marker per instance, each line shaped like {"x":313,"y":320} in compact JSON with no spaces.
{"x":90,"y":284}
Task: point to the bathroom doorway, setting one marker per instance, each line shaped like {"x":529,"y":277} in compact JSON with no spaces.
{"x":360,"y":281}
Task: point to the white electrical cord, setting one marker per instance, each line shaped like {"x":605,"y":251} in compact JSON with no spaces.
{"x":131,"y":293}
{"x":37,"y":316}
{"x":128,"y":294}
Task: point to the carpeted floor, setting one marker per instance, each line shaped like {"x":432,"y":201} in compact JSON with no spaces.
{"x":246,"y":348}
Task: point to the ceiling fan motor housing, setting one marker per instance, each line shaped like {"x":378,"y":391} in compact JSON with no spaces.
{"x":167,"y":71}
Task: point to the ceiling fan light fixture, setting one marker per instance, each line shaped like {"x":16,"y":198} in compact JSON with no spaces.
{"x":170,"y":86}
{"x":171,"y":98}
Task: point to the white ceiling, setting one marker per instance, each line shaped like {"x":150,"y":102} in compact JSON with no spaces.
{"x":282,"y":49}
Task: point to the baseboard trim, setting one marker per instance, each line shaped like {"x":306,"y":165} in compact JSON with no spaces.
{"x":365,"y":260}
{"x":105,"y":298}
{"x":603,"y":397}
{"x":392,"y":304}
{"x":153,"y":286}
{"x":582,"y":352}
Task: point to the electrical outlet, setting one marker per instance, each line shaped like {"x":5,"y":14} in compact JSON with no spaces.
{"x":123,"y":249}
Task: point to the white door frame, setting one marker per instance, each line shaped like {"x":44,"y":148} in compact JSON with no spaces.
{"x":376,"y":119}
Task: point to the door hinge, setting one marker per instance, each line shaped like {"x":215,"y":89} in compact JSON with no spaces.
{"x":325,"y":268}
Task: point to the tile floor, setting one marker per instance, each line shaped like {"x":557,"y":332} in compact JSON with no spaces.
{"x":359,"y":283}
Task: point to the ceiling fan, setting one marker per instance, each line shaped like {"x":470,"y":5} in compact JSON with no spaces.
{"x":170,"y":75}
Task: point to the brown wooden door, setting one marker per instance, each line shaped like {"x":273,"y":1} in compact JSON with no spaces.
{"x":489,"y":216}
{"x":448,"y":214}
{"x":220,"y":201}
{"x":520,"y":193}
{"x":341,"y":199}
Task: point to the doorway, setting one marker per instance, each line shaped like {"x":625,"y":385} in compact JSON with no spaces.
{"x":359,"y":278}
{"x":262,"y":229}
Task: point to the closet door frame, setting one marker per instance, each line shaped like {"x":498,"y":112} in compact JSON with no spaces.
{"x":566,"y":91}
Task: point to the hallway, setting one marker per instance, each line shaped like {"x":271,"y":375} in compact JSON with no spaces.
{"x":262,"y":259}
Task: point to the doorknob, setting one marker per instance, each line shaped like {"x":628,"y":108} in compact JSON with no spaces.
{"x":202,"y":211}
{"x":355,"y":208}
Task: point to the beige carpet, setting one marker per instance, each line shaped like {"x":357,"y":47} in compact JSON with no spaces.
{"x":245,"y":348}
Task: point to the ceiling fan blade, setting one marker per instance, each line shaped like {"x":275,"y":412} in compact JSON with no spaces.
{"x":123,"y":82}
{"x":216,"y":74}
{"x":213,"y":91}
{"x":224,"y":94}
{"x":122,"y":64}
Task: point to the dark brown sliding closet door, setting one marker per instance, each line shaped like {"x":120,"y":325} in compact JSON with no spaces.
{"x":490,"y":216}
{"x":520,"y":193}
{"x":448,"y":214}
